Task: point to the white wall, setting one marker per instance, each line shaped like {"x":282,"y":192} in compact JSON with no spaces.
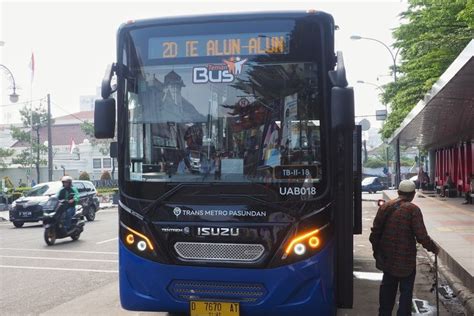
{"x":82,"y":159}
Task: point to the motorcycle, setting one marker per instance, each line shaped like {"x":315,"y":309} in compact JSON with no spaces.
{"x":53,"y":222}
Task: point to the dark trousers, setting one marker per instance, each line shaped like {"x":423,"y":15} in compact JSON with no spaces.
{"x":69,"y":214}
{"x":388,"y":293}
{"x":468,"y":197}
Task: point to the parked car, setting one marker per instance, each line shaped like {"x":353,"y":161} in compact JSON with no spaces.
{"x":31,"y":207}
{"x":372,"y":185}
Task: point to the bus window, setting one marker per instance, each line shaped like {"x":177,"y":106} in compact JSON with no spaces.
{"x":266,"y":116}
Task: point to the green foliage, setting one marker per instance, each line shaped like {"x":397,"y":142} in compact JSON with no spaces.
{"x":22,"y":189}
{"x":105,"y":175}
{"x":35,"y":151}
{"x":375,"y":162}
{"x":5,"y":153}
{"x":406,"y":161}
{"x":378,"y":159}
{"x":84,"y":176}
{"x":434,"y":34}
{"x":106,"y":190}
{"x":102,"y":144}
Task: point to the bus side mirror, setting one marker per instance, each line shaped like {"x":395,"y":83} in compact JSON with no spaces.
{"x":104,"y":118}
{"x":106,"y":88}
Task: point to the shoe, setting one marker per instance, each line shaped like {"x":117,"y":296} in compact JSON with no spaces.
{"x":466,"y":202}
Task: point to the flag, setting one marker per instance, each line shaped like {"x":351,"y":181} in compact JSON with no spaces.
{"x":32,"y":66}
{"x":73,"y":146}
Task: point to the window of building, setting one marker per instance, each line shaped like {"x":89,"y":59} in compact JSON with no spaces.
{"x":96,"y":163}
{"x":107,"y":163}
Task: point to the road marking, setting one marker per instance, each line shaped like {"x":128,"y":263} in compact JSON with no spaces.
{"x":57,"y":269}
{"x":108,"y":240}
{"x":64,"y":259}
{"x":67,"y":251}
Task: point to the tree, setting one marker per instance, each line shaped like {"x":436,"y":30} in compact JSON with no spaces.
{"x":5,"y":153}
{"x":84,"y":176}
{"x":434,"y":34}
{"x":102,"y":144}
{"x":105,"y":175}
{"x":32,"y":155}
{"x":378,"y":159}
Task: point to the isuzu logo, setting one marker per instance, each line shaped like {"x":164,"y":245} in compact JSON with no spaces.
{"x":217,"y":231}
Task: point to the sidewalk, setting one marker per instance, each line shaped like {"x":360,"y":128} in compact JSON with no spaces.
{"x":451,"y":225}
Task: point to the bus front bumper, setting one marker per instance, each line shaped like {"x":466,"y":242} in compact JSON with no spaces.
{"x":302,"y":288}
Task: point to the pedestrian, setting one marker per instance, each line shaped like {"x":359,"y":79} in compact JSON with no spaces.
{"x":448,"y":184}
{"x":397,"y":227}
{"x":468,"y":193}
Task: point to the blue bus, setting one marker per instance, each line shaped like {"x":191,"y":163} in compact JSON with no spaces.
{"x":237,"y":160}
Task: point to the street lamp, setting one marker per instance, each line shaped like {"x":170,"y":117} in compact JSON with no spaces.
{"x":394,"y":56}
{"x":377,"y":86}
{"x":14,"y":96}
{"x":394,"y":60}
{"x":372,"y":84}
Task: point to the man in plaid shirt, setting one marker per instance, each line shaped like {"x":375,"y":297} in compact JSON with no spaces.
{"x":397,"y":227}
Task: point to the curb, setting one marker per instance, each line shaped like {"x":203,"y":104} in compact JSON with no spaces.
{"x":463,"y":293}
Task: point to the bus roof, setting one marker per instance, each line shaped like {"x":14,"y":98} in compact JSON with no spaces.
{"x":226,"y":17}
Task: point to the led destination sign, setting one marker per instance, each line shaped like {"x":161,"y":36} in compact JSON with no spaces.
{"x":218,"y":45}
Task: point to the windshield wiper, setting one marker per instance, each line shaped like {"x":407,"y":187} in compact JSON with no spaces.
{"x":165,"y":196}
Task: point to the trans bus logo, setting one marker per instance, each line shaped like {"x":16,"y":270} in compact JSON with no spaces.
{"x":219,"y":73}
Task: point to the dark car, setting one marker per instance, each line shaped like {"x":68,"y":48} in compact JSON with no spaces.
{"x":30,"y":208}
{"x":372,"y":185}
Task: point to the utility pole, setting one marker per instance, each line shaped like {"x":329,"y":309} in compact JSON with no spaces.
{"x":50,"y":143}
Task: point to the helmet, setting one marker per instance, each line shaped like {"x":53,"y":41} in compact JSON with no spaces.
{"x":406,"y":186}
{"x":195,"y":133}
{"x":66,"y":179}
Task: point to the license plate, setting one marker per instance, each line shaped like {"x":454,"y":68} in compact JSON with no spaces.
{"x":25,"y":214}
{"x":204,"y":308}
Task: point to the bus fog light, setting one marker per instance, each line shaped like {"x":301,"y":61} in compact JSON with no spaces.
{"x":313,"y":242}
{"x":141,"y":245}
{"x":130,"y":239}
{"x":299,"y":249}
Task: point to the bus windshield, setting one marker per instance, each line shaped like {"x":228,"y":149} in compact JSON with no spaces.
{"x":236,"y":118}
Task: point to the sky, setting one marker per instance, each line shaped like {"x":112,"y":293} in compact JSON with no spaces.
{"x":74,"y":41}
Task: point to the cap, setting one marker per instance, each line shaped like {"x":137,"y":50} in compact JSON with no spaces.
{"x":66,"y":178}
{"x":407,"y":186}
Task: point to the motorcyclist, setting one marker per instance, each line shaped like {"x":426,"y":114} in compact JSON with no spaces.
{"x":193,"y":138}
{"x":71,"y":196}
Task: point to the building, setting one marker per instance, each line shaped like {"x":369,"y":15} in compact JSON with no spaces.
{"x":73,"y":151}
{"x":86,"y":102}
{"x":443,"y":123}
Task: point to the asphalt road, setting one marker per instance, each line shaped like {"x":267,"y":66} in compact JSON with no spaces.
{"x":80,"y":277}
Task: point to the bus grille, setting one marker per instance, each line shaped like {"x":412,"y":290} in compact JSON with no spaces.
{"x":219,"y":251}
{"x":213,"y":290}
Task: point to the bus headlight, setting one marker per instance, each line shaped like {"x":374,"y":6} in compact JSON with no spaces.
{"x":299,"y":249}
{"x":305,"y":243}
{"x":141,"y":245}
{"x":136,"y":241}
